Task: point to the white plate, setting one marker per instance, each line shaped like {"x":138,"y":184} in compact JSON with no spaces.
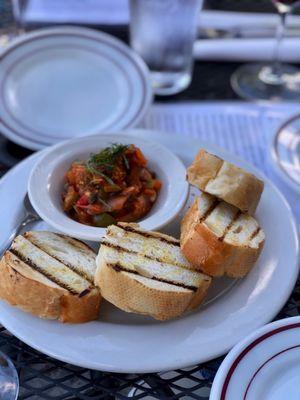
{"x":131,"y":343}
{"x":46,"y":182}
{"x":59,"y":83}
{"x":266,"y":365}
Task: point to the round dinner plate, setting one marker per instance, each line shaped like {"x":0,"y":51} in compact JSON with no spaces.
{"x":60,"y":83}
{"x":266,"y":365}
{"x":124,"y":342}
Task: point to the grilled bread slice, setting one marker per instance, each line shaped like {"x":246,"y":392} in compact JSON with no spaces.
{"x":217,"y":238}
{"x":146,"y":273}
{"x":51,"y":276}
{"x":226,"y":181}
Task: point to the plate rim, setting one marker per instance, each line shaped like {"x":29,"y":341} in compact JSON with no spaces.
{"x":92,"y":34}
{"x":171,"y":364}
{"x":223,"y":376}
{"x":276,"y":161}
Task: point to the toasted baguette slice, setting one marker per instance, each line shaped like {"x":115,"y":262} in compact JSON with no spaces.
{"x":218,"y":239}
{"x":50,"y":276}
{"x":226,"y":181}
{"x":145,"y":273}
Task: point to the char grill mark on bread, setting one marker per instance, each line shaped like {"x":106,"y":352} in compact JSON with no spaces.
{"x":143,"y":274}
{"x":226,"y":221}
{"x":225,"y":181}
{"x":255,"y":233}
{"x":227,"y":241}
{"x":124,"y":250}
{"x":27,"y":261}
{"x":228,"y":227}
{"x":133,"y":228}
{"x":49,"y":266}
{"x":37,"y":282}
{"x":81,"y":258}
{"x":118,"y":267}
{"x":210,"y":209}
{"x":148,"y":243}
{"x":154,"y":269}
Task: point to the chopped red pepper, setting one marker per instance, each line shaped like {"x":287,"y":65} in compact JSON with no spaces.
{"x":115,"y":183}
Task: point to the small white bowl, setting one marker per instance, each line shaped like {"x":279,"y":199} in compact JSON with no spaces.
{"x":46,"y":182}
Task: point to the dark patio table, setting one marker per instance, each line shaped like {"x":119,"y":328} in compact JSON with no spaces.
{"x":42,"y":377}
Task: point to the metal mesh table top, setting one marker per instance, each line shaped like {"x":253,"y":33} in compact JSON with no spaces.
{"x":42,"y":377}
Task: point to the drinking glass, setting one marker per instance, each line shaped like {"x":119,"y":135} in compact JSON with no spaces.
{"x":9,"y":382}
{"x":163,"y":33}
{"x":276,"y":81}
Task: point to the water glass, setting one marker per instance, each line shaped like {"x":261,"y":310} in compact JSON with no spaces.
{"x":162,"y":32}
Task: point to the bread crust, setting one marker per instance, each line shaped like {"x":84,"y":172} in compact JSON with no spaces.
{"x":225,"y":181}
{"x":125,"y":292}
{"x":44,"y":298}
{"x":209,"y":254}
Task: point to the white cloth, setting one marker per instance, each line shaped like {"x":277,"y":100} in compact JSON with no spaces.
{"x":246,"y":49}
{"x":242,"y":128}
{"x":114,"y":12}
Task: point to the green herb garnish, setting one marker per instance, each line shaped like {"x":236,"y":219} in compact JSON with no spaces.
{"x":126,"y":162}
{"x":105,"y":160}
{"x":107,"y":157}
{"x":96,"y":171}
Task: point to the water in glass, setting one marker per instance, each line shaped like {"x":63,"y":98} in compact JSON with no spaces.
{"x":163,"y":33}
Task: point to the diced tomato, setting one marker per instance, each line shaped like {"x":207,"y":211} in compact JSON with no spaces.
{"x":145,"y":175}
{"x":70,"y":177}
{"x":111,"y":188}
{"x":151,"y":193}
{"x":131,"y":191}
{"x":70,"y":198}
{"x":124,"y":190}
{"x":82,"y":216}
{"x":97,"y":180}
{"x":78,"y":175}
{"x":117,"y":203}
{"x":140,"y":206}
{"x":95,"y":209}
{"x":134,"y":177}
{"x":83,"y":201}
{"x":157,"y":184}
{"x":139,"y":158}
{"x":119,"y":173}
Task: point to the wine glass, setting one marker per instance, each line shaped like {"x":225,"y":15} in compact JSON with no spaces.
{"x":9,"y":381}
{"x":275,"y":80}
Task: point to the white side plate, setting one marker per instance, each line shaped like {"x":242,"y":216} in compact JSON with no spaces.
{"x":266,"y":365}
{"x":66,"y":82}
{"x":131,"y":343}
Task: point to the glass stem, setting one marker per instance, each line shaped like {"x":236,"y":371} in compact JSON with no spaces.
{"x":280,"y":31}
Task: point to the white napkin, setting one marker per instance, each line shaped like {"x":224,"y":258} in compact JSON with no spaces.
{"x":246,"y":49}
{"x":233,"y":19}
